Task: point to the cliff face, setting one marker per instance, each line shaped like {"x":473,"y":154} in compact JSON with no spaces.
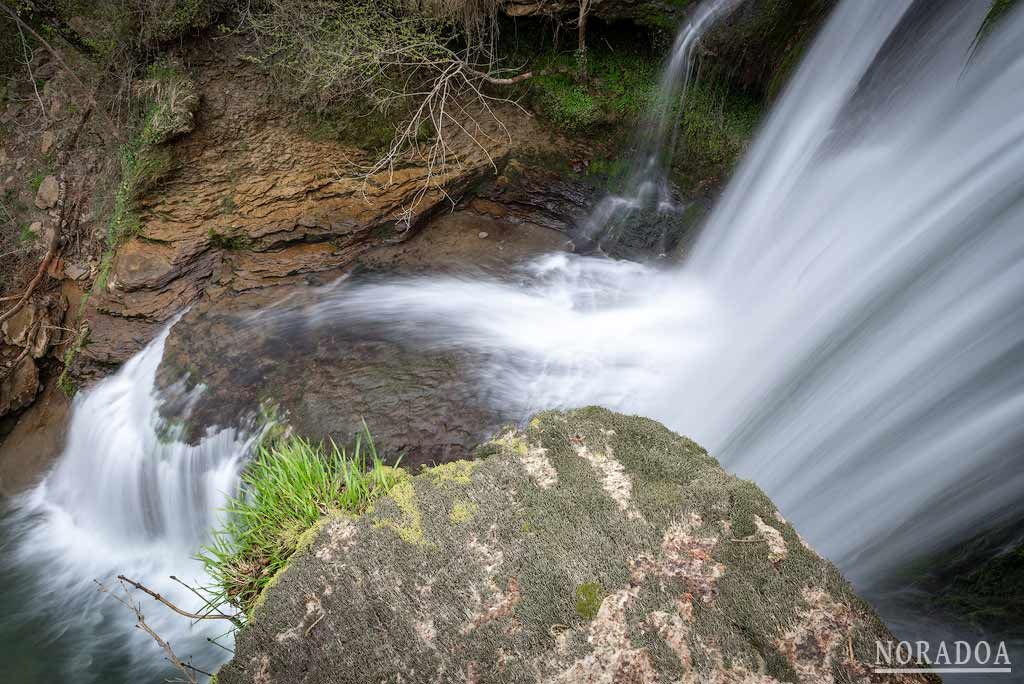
{"x":587,"y":547}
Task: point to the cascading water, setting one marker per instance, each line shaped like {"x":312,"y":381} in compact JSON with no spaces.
{"x":125,"y":497}
{"x":645,"y":192}
{"x":848,"y":330}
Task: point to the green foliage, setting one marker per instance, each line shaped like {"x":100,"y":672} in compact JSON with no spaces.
{"x":26,"y":236}
{"x":619,"y":87}
{"x":37,"y":179}
{"x":287,"y":488}
{"x":588,"y":599}
{"x":716,"y":126}
{"x":145,"y":159}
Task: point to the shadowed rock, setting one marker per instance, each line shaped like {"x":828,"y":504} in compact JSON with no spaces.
{"x":587,"y":547}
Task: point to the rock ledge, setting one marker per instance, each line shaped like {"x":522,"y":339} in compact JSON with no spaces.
{"x":587,"y":547}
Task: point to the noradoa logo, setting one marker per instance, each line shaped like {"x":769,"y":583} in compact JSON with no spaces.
{"x":904,"y":657}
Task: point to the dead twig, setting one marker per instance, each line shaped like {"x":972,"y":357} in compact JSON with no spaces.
{"x":140,"y":621}
{"x":194,"y":616}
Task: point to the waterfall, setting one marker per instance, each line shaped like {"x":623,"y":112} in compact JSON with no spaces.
{"x":645,"y":190}
{"x":848,"y":330}
{"x":124,"y":497}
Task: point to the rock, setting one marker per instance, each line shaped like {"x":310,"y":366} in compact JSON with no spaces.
{"x":75,"y":271}
{"x":48,"y":193}
{"x":482,"y":235}
{"x":19,"y":379}
{"x":34,"y":442}
{"x":35,"y":324}
{"x":586,"y":547}
{"x":36,"y":228}
{"x":46,"y":142}
{"x":361,"y":375}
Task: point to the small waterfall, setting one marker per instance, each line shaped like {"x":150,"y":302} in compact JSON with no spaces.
{"x":645,"y":191}
{"x":124,"y":497}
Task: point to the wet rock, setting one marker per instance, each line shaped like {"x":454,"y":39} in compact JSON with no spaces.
{"x":34,"y":442}
{"x":48,"y":193}
{"x":585,"y":547}
{"x":235,"y":214}
{"x":75,"y":271}
{"x":19,"y":379}
{"x":422,"y":406}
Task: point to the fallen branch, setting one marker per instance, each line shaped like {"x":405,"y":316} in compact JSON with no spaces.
{"x":140,"y":622}
{"x":194,"y":616}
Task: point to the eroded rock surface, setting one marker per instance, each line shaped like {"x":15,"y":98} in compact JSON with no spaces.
{"x":586,"y":547}
{"x":254,"y":200}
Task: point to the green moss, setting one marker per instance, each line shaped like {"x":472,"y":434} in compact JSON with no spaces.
{"x":37,"y":178}
{"x":410,"y":526}
{"x":588,"y":600}
{"x":455,"y":472}
{"x":462,"y":511}
{"x":618,"y":88}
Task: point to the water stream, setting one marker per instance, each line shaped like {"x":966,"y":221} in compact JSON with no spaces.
{"x":848,"y":331}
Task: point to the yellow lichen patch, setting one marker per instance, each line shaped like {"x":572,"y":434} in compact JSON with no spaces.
{"x":410,"y":527}
{"x":462,"y":511}
{"x":456,"y":472}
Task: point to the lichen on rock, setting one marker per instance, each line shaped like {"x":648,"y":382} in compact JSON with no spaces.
{"x":529,"y":566}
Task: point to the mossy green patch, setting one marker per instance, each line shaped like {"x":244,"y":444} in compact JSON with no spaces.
{"x":588,"y":599}
{"x":462,"y":511}
{"x":409,"y":527}
{"x":454,"y":472}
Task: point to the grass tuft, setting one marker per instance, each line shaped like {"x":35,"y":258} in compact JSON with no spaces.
{"x":290,"y":485}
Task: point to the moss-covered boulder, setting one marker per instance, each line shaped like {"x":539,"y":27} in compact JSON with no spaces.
{"x":586,"y":547}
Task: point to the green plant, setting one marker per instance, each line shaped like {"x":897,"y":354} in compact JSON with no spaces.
{"x":286,"y":489}
{"x":26,"y":235}
{"x":37,"y":179}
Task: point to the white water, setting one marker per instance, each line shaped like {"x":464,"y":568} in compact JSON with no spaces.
{"x":848,"y":332}
{"x":646,"y":187}
{"x":849,"y":329}
{"x":122,"y":499}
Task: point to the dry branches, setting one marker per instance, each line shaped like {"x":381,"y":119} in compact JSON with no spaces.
{"x":214,"y":614}
{"x":187,"y":669}
{"x":429,"y":61}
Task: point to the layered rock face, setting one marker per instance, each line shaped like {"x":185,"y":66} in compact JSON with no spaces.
{"x":586,"y":547}
{"x":254,"y":200}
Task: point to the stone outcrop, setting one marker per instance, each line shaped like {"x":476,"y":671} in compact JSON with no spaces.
{"x":585,"y":547}
{"x":25,"y":339}
{"x":253,"y":200}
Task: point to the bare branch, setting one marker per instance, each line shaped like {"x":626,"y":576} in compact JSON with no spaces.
{"x":194,"y":616}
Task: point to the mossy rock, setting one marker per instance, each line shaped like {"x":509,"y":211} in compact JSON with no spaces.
{"x":590,"y":547}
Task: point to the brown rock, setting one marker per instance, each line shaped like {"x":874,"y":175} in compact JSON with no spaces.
{"x":48,"y":193}
{"x":20,"y":379}
{"x":46,"y":142}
